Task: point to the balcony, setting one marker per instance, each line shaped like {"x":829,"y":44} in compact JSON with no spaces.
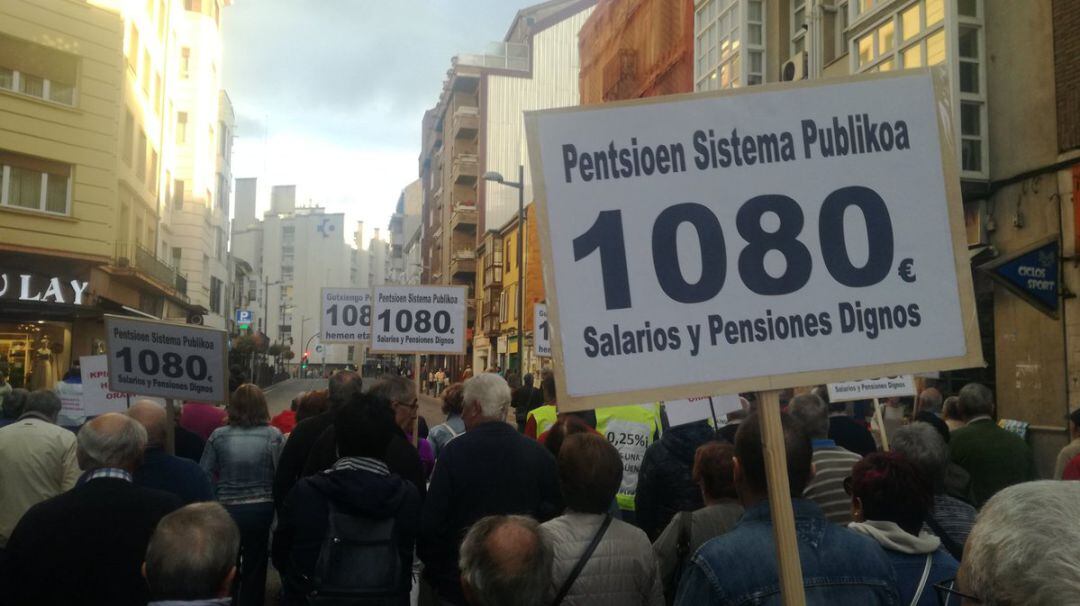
{"x":134,"y":260}
{"x":463,"y":262}
{"x":464,"y":217}
{"x":466,"y":122}
{"x":465,"y":169}
{"x":499,"y":55}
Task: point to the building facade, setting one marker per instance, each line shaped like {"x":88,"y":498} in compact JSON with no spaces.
{"x":83,"y":101}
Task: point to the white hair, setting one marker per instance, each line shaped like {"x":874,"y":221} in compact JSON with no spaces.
{"x":491,"y":391}
{"x":1023,"y":547}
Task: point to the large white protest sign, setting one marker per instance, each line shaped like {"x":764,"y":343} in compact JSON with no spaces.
{"x":155,"y":358}
{"x":418,"y":319}
{"x":688,"y":410}
{"x":757,"y":239}
{"x":869,"y":389}
{"x":346,"y":315}
{"x":541,"y":331}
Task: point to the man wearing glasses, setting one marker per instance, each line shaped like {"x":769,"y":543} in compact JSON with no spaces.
{"x":1024,"y":549}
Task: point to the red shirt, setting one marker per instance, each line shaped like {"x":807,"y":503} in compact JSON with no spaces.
{"x":285,"y":421}
{"x":1072,"y":469}
{"x":201,"y":418}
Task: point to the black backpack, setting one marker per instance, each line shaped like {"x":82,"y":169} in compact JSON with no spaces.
{"x":359,"y":563}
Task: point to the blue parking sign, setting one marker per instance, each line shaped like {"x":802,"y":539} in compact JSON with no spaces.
{"x":243,"y":316}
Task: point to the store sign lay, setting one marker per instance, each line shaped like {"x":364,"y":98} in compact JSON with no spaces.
{"x":54,"y":291}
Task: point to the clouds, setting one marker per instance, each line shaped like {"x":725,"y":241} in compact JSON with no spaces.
{"x":338,"y":89}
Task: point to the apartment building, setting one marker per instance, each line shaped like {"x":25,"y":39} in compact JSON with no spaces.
{"x":80,"y":155}
{"x":637,"y":48}
{"x":403,"y":224}
{"x":200,"y":128}
{"x":478,"y":127}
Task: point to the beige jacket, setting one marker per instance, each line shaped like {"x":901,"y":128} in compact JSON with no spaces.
{"x":37,"y":462}
{"x":621,"y":572}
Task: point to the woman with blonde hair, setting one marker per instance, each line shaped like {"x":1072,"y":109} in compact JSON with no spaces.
{"x":241,"y":458}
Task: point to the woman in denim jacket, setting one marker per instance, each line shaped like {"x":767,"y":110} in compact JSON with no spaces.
{"x":241,"y":458}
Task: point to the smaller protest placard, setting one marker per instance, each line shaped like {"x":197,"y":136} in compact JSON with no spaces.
{"x":870,"y":389}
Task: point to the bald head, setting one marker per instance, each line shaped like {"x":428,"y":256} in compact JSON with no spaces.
{"x":152,"y":417}
{"x":506,"y":560}
{"x":111,"y":440}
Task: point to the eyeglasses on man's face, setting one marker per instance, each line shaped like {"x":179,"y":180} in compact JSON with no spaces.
{"x":949,"y":595}
{"x":411,"y":406}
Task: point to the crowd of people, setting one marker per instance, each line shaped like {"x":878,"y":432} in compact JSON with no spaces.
{"x":510,"y":501}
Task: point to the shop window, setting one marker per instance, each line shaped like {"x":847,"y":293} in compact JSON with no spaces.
{"x":34,"y":184}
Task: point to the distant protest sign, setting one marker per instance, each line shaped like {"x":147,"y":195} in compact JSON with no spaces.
{"x":764,"y":238}
{"x":418,"y":319}
{"x":870,"y":389}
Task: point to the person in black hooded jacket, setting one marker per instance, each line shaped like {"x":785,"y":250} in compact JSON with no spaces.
{"x":665,"y":481}
{"x":359,"y":484}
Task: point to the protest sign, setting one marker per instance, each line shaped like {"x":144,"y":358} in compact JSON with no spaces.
{"x":154,"y":358}
{"x":418,"y":319}
{"x":346,"y":315}
{"x":97,"y":398}
{"x":872,"y":389}
{"x":763,"y":238}
{"x":541,"y":331}
{"x":689,"y":410}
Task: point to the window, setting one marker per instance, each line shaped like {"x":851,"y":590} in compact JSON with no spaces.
{"x":37,"y":71}
{"x":177,"y":256}
{"x":915,"y":36}
{"x":128,"y":144}
{"x":178,"y":194}
{"x":729,"y":43}
{"x":159,"y":91}
{"x":223,"y":192}
{"x":140,"y":156}
{"x":144,"y":75}
{"x":133,"y":48}
{"x":840,"y":25}
{"x":153,"y":176}
{"x":181,"y":128}
{"x":34,"y":183}
{"x":194,"y":6}
{"x":185,"y":62}
{"x":215,"y":295}
{"x":220,"y":249}
{"x":798,"y":26}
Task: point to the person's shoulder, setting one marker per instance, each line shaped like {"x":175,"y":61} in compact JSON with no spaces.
{"x":855,"y":547}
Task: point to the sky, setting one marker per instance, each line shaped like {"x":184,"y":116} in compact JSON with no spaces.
{"x":329,"y":94}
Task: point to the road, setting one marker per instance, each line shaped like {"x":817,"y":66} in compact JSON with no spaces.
{"x":280,"y":396}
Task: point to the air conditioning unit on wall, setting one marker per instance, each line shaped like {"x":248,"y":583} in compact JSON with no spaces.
{"x":794,"y":68}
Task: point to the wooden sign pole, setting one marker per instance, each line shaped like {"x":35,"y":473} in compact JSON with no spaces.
{"x":783,"y":516}
{"x":416,"y":379}
{"x":880,"y":420}
{"x":170,"y":420}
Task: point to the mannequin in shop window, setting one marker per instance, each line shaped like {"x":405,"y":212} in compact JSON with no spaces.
{"x":43,"y":375}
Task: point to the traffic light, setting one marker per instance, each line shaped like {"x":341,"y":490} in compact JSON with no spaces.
{"x":304,"y":360}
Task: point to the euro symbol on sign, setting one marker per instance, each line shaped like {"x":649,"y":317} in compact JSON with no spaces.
{"x":905,"y":271}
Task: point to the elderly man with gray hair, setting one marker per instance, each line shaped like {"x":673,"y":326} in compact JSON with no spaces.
{"x":832,"y":464}
{"x":994,"y":457}
{"x":506,"y":561}
{"x":37,"y":460}
{"x":950,"y":519}
{"x":191,"y":559}
{"x":86,"y":546}
{"x":1023,"y":548}
{"x":491,"y":469}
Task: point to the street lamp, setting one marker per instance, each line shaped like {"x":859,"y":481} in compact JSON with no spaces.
{"x":496,"y":177}
{"x":302,"y":322}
